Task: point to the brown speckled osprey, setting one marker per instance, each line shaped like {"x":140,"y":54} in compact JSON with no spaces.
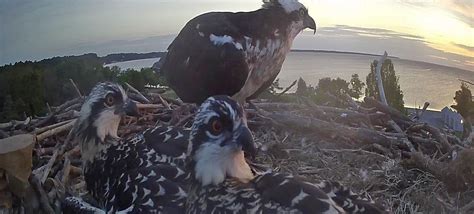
{"x":236,"y":54}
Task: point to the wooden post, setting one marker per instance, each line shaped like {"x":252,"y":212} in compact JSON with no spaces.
{"x":378,"y":77}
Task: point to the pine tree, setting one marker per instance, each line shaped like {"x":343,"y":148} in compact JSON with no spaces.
{"x":357,"y":85}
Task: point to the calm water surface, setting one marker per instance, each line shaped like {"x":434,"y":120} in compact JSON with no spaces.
{"x":420,"y":82}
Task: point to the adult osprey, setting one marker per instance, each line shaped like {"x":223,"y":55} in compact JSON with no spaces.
{"x":135,"y":175}
{"x":236,"y":54}
{"x":222,"y":181}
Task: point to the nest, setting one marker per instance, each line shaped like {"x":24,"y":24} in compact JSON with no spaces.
{"x":408,"y":166}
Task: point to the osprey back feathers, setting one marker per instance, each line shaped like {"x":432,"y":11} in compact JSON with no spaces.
{"x":236,"y":54}
{"x":222,"y":181}
{"x":130,"y":175}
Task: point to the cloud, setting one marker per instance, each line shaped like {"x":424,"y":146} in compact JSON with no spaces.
{"x":463,"y":10}
{"x":465,"y":47}
{"x":378,"y":40}
{"x":371,"y":32}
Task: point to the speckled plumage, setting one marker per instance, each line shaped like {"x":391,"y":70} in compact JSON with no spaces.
{"x":171,"y":170}
{"x":143,"y":173}
{"x":269,"y":192}
{"x":236,"y":54}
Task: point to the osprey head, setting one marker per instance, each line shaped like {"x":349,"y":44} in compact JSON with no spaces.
{"x":101,"y":113}
{"x":219,"y":138}
{"x":294,"y":12}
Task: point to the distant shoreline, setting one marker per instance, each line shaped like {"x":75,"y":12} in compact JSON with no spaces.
{"x":337,"y":52}
{"x":124,"y":57}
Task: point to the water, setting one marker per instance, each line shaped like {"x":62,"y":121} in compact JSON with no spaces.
{"x":420,"y":82}
{"x":134,"y":64}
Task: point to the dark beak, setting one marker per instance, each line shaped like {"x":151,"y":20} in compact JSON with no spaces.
{"x":309,"y":23}
{"x":131,"y":109}
{"x":246,"y":140}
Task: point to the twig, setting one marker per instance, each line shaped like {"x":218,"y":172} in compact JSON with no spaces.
{"x":75,"y":87}
{"x":134,"y":90}
{"x":163,"y":101}
{"x":355,"y":151}
{"x":55,"y":130}
{"x":49,"y":108}
{"x":60,"y":149}
{"x":57,"y":111}
{"x":46,"y":128}
{"x":66,"y":170}
{"x":467,"y":207}
{"x":44,"y":200}
{"x":466,"y":81}
{"x":288,"y":88}
{"x":148,"y":106}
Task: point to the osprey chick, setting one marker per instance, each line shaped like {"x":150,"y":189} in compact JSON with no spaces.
{"x":223,"y":181}
{"x":236,"y":54}
{"x":135,"y":175}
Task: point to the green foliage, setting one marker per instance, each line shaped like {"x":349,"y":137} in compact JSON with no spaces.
{"x":464,"y":103}
{"x":465,"y":107}
{"x":327,"y":89}
{"x":356,"y":86}
{"x":26,"y":87}
{"x":336,"y":87}
{"x":393,"y":93}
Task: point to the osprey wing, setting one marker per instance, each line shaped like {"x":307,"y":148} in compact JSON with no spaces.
{"x":207,"y":58}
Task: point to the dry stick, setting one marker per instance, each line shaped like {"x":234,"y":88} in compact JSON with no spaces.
{"x":55,"y":130}
{"x":134,"y":90}
{"x":360,"y":135}
{"x":60,"y":149}
{"x":57,"y":111}
{"x":288,"y":88}
{"x":378,"y":74}
{"x":163,"y":101}
{"x":425,"y":106}
{"x":173,"y":101}
{"x":466,"y":81}
{"x":148,"y":106}
{"x":46,"y":128}
{"x":66,"y":169}
{"x":355,"y":151}
{"x":467,"y":207}
{"x":75,"y":87}
{"x":49,"y":108}
{"x":442,"y":139}
{"x":44,"y":201}
{"x":395,"y":114}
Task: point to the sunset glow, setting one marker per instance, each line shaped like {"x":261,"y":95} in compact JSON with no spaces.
{"x":437,"y":31}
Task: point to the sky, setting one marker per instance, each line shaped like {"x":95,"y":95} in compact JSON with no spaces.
{"x":436,"y":31}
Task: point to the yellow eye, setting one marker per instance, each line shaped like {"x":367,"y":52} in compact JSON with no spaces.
{"x":217,"y":127}
{"x":109,"y":100}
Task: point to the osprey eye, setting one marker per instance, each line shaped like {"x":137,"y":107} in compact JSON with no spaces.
{"x":302,"y":12}
{"x":109,"y":100}
{"x":217,"y":127}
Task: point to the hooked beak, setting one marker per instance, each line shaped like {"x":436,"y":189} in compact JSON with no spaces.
{"x":309,"y":23}
{"x":245,"y":139}
{"x":131,"y":109}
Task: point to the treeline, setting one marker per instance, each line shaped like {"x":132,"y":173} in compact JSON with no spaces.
{"x":26,"y":87}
